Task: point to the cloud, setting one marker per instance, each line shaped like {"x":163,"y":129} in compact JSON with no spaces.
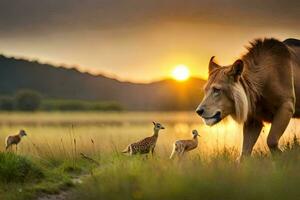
{"x":42,"y":16}
{"x":131,"y":38}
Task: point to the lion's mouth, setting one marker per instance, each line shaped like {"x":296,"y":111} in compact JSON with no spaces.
{"x":213,"y":119}
{"x":215,"y":116}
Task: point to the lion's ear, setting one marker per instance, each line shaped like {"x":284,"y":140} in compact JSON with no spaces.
{"x":212,"y":65}
{"x":237,"y":69}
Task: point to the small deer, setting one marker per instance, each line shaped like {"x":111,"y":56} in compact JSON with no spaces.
{"x":145,"y":145}
{"x":182,"y":146}
{"x":14,"y":139}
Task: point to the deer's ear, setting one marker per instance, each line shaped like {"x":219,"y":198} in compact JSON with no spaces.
{"x":212,"y":65}
{"x":153,"y":123}
{"x":236,"y":69}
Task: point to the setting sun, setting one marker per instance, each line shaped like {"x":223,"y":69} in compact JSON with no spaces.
{"x":181,"y":73}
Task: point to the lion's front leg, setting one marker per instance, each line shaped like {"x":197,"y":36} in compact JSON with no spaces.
{"x":251,"y":132}
{"x":279,"y":124}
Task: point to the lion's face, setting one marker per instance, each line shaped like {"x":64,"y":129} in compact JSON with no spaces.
{"x":216,"y":104}
{"x":219,"y":101}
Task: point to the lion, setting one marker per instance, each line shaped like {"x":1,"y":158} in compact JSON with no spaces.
{"x":262,"y":86}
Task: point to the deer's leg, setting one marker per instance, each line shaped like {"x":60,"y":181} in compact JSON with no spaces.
{"x":173,"y":152}
{"x":251,"y":132}
{"x":152,"y":151}
{"x":16,"y":148}
{"x":130,"y":151}
{"x":177,"y":154}
{"x":181,"y":152}
{"x":279,"y":124}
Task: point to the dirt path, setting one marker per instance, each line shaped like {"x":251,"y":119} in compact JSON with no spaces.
{"x":63,"y":194}
{"x":60,"y":196}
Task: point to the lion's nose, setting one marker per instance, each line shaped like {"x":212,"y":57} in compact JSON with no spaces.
{"x":200,"y":111}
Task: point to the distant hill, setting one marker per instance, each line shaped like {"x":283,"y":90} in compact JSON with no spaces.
{"x":64,"y":83}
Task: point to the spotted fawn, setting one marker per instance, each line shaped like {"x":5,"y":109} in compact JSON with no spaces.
{"x":182,"y":146}
{"x":14,"y":139}
{"x":145,"y":145}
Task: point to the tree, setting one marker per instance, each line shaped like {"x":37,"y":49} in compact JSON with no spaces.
{"x":28,"y":100}
{"x":6,"y":103}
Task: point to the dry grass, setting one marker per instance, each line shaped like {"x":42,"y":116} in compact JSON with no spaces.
{"x":56,"y":140}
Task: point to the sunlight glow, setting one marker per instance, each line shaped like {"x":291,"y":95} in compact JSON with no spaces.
{"x":181,"y":73}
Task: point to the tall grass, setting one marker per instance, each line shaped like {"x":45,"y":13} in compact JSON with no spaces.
{"x":56,"y":140}
{"x":158,"y":178}
{"x":14,"y":168}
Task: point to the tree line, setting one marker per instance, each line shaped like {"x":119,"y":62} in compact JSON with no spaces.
{"x":29,"y":100}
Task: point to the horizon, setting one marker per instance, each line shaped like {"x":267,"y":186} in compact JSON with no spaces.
{"x":110,"y":76}
{"x":87,"y":86}
{"x":126,"y":40}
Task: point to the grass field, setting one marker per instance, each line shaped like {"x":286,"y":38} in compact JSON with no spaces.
{"x":49,"y":158}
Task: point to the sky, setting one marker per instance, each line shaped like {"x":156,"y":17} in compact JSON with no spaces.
{"x":141,"y":40}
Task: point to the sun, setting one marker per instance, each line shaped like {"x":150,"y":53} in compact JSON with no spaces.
{"x":181,"y":73}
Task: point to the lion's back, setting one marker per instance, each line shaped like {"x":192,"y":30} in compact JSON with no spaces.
{"x":292,"y":42}
{"x":270,"y":70}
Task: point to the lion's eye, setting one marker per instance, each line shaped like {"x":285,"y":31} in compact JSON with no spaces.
{"x":216,"y":90}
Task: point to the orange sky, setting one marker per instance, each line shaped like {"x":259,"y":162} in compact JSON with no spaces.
{"x":117,"y":40}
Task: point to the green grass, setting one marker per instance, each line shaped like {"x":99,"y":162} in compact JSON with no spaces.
{"x":14,"y":168}
{"x":49,"y":157}
{"x":192,"y":178}
{"x":24,"y":177}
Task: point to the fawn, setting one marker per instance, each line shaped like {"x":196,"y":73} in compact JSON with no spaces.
{"x":14,"y":139}
{"x":145,"y":145}
{"x":182,"y":146}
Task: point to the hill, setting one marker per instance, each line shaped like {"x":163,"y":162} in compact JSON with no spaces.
{"x":64,"y":83}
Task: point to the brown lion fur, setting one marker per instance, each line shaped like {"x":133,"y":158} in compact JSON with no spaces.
{"x":263,"y":85}
{"x":262,"y":55}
